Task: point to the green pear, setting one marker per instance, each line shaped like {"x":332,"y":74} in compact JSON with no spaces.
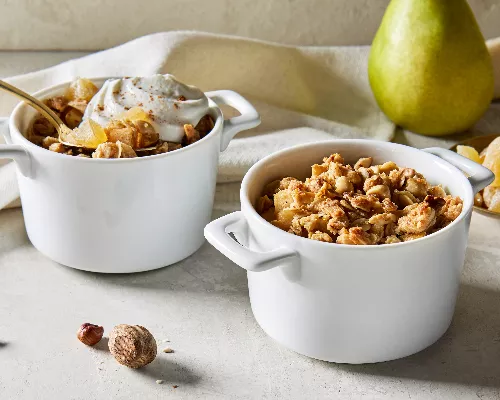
{"x":429,"y":68}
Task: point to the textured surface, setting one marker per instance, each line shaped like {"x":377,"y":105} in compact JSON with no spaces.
{"x":201,"y":305}
{"x":96,"y":24}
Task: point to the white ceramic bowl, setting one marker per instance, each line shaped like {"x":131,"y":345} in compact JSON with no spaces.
{"x":342,"y":303}
{"x":121,"y":215}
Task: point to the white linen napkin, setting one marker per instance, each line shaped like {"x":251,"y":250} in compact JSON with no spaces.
{"x":303,"y":94}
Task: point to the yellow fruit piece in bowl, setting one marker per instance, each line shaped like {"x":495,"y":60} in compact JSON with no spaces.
{"x":493,"y":195}
{"x":81,"y":89}
{"x":469,"y":152}
{"x":494,"y":166}
{"x":89,"y":134}
{"x":135,"y":114}
{"x":482,"y":155}
{"x":492,"y":160}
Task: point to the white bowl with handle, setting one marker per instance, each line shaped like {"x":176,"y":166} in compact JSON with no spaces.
{"x":120,"y":215}
{"x":345,"y":303}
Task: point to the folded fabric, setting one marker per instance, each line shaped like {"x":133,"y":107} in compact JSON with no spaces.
{"x":302,"y":93}
{"x":323,"y":89}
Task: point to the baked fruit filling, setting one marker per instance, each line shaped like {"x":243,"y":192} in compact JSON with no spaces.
{"x":364,"y":204}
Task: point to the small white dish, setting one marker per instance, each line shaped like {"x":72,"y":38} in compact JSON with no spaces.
{"x":120,"y":215}
{"x":345,"y":303}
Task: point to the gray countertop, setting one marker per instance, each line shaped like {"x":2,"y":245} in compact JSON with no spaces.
{"x":201,"y":306}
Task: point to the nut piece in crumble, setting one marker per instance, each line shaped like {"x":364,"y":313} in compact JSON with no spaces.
{"x":191,"y":135}
{"x":137,"y":134}
{"x":361,"y":205}
{"x":114,"y":150}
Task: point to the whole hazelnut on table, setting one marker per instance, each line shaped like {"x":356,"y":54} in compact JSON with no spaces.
{"x":90,"y":334}
{"x":132,"y":345}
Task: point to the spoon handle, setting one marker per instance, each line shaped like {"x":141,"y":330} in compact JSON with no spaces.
{"x":35,"y":103}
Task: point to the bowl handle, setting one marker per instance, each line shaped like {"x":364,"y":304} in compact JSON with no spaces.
{"x":217,"y":233}
{"x":479,"y":176}
{"x":14,"y":151}
{"x":249,"y":117}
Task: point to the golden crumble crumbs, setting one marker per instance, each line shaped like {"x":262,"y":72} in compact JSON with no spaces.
{"x":363,"y":204}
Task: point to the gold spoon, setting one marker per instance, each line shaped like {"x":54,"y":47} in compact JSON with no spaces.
{"x":51,"y":116}
{"x":62,"y":129}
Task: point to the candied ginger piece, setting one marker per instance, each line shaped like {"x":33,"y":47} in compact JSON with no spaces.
{"x":81,"y":89}
{"x":469,"y":152}
{"x":488,"y":193}
{"x":135,"y":114}
{"x":494,"y":166}
{"x":89,"y":134}
{"x":482,"y":155}
{"x":495,"y":204}
{"x":491,"y":198}
{"x":492,"y":160}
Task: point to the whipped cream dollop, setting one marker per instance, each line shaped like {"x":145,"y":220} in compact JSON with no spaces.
{"x":169,"y":103}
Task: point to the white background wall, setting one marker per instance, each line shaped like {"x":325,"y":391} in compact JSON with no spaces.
{"x":97,"y":24}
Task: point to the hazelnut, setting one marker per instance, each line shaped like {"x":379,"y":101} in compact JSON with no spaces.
{"x":132,"y":345}
{"x":90,"y":334}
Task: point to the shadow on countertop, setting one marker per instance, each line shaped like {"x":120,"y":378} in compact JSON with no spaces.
{"x":102,"y":345}
{"x":207,"y":270}
{"x":468,"y":353}
{"x":169,"y":371}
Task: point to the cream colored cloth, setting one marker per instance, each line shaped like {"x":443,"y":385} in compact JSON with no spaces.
{"x":302,"y":93}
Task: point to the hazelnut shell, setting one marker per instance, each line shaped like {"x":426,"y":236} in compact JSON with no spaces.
{"x":90,"y":334}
